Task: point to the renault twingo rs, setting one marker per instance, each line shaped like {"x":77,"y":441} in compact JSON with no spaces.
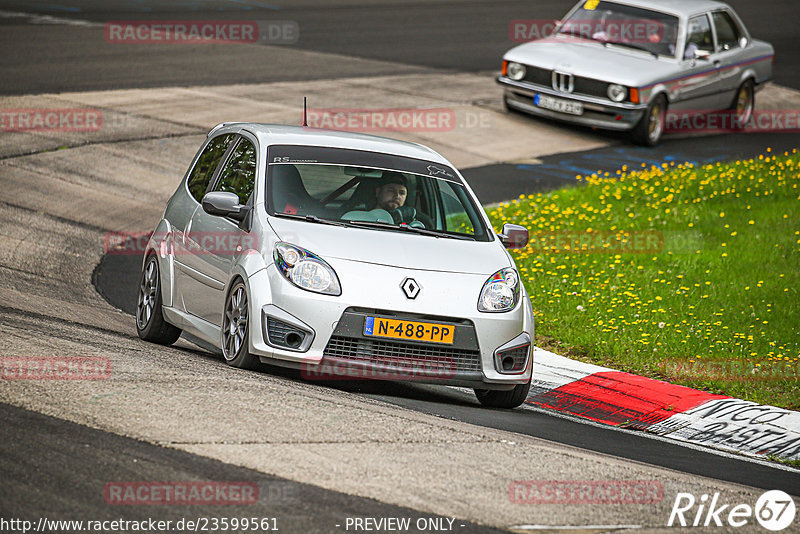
{"x":325,"y":250}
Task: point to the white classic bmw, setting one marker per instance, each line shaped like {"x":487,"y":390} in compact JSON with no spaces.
{"x":622,"y":64}
{"x":326,"y":250}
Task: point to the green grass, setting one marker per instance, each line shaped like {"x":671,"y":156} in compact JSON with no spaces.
{"x":688,"y":274}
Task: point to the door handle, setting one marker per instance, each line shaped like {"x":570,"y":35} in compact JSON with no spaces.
{"x":717,"y":63}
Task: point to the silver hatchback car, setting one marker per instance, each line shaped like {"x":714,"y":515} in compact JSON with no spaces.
{"x":344,"y":255}
{"x":624,"y":64}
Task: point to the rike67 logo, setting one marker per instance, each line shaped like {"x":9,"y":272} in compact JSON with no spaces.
{"x":774,"y":510}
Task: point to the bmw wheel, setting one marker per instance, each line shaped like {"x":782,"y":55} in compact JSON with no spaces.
{"x":743,"y":105}
{"x":236,"y":329}
{"x":150,"y":323}
{"x":650,"y":128}
{"x":503,"y":399}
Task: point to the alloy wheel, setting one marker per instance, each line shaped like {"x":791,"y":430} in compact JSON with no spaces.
{"x":234,"y":327}
{"x":744,"y":106}
{"x":148,"y":290}
{"x":656,"y":122}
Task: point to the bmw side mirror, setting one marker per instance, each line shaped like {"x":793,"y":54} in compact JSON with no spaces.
{"x":224,"y":204}
{"x":514,"y":236}
{"x":701,"y":54}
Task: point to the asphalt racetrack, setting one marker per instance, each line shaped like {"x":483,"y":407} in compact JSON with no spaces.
{"x":319,"y":453}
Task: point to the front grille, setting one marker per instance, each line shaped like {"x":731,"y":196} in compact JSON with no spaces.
{"x":519,"y":355}
{"x":413,"y":357}
{"x":583,"y":86}
{"x":587,"y":86}
{"x":278,"y":330}
{"x":538,"y":76}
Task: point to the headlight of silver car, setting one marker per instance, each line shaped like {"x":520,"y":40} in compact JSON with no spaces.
{"x":306,"y":270}
{"x":616,"y":92}
{"x":516,"y":71}
{"x":500,"y":293}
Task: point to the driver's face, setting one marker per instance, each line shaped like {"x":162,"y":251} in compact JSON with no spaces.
{"x":391,"y":196}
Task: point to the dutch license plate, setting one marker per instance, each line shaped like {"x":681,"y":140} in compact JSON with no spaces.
{"x":557,"y":104}
{"x":409,"y":330}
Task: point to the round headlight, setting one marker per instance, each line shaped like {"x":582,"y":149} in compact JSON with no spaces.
{"x":501,"y":292}
{"x":305,"y":269}
{"x":497,"y":297}
{"x":516,"y":71}
{"x":311,"y":275}
{"x":289,"y":254}
{"x":616,"y":92}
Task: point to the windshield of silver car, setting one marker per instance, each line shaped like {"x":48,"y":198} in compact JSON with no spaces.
{"x":370,"y":190}
{"x":623,"y":25}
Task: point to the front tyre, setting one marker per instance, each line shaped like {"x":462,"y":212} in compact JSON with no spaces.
{"x":651,"y":126}
{"x":503,"y":399}
{"x":150,"y":323}
{"x":236,"y":329}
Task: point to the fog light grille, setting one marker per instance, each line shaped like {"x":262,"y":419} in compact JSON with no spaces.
{"x":283,"y":334}
{"x":513,"y":360}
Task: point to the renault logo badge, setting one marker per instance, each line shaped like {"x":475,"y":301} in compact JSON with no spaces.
{"x":411,"y":288}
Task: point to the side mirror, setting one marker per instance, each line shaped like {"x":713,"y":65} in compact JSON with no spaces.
{"x":514,"y":236}
{"x":224,"y":204}
{"x":701,"y":54}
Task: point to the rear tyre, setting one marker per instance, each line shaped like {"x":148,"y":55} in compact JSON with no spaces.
{"x":650,"y":128}
{"x":743,"y":104}
{"x":503,"y":399}
{"x":150,"y":323}
{"x":236,"y":329}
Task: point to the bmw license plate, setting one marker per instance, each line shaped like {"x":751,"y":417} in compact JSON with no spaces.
{"x":409,"y":330}
{"x":558,"y":104}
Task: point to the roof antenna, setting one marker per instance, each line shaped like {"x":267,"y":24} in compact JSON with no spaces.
{"x":305,"y":115}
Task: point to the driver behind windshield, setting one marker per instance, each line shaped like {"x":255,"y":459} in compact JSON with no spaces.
{"x":390,"y":195}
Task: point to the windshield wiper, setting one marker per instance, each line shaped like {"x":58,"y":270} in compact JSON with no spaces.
{"x":425,"y":231}
{"x":631,"y":45}
{"x":311,"y":218}
{"x":406,"y":228}
{"x":373,"y":224}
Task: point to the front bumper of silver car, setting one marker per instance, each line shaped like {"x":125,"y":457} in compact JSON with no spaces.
{"x":324,"y":337}
{"x":597,"y":112}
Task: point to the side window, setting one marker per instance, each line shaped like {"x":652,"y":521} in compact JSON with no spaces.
{"x":239,"y":173}
{"x":206,"y":165}
{"x":699,"y":36}
{"x":456,"y":219}
{"x":728,"y":34}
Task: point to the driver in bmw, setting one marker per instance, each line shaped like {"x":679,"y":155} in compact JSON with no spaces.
{"x":391,"y":195}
